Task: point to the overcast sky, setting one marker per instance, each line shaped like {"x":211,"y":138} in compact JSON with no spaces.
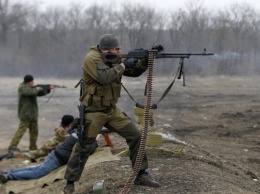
{"x":157,"y":4}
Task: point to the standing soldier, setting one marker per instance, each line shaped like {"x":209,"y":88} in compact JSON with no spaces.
{"x":28,"y":112}
{"x":102,"y":86}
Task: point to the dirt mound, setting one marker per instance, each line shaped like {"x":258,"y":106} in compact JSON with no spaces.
{"x":216,"y":120}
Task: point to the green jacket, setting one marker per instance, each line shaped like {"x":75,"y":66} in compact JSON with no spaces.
{"x":27,"y":102}
{"x":102,"y":82}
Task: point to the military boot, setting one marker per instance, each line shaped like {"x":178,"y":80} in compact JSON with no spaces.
{"x":13,"y":149}
{"x":3,"y":178}
{"x":146,"y":179}
{"x":69,"y":189}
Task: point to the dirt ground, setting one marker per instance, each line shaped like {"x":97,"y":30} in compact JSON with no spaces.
{"x":215,"y":122}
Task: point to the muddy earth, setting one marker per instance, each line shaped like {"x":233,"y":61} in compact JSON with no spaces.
{"x":210,"y":128}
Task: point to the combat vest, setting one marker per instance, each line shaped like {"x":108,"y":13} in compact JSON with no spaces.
{"x":99,"y":96}
{"x":102,"y":83}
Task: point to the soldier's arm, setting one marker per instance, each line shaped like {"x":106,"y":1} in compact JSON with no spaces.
{"x":27,"y":91}
{"x":102,"y":73}
{"x":140,"y":68}
{"x":61,"y":134}
{"x":49,"y":147}
{"x":51,"y":144}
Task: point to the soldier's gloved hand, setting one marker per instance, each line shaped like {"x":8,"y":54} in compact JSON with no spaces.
{"x":157,"y":47}
{"x":120,"y":60}
{"x":130,"y":62}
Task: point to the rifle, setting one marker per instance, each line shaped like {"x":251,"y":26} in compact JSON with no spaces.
{"x":7,"y":155}
{"x":48,"y":86}
{"x":143,"y":54}
{"x":46,"y":89}
{"x":81,"y":126}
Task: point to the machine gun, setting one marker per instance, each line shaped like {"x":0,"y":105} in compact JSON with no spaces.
{"x":143,"y":54}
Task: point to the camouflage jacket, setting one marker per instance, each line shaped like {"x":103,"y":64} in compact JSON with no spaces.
{"x":60,"y":135}
{"x":27,"y":102}
{"x":103,"y":82}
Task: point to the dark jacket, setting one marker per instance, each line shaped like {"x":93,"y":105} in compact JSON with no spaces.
{"x":27,"y":102}
{"x":64,"y":150}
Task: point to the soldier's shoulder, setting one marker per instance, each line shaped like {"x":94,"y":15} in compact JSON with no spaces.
{"x":59,"y":128}
{"x":93,"y":53}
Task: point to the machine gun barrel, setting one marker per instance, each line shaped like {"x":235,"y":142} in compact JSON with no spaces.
{"x":143,"y":54}
{"x":180,"y":55}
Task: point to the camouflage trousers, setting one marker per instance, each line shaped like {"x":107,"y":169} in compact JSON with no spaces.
{"x":32,"y":155}
{"x":35,"y":154}
{"x":33,"y":133}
